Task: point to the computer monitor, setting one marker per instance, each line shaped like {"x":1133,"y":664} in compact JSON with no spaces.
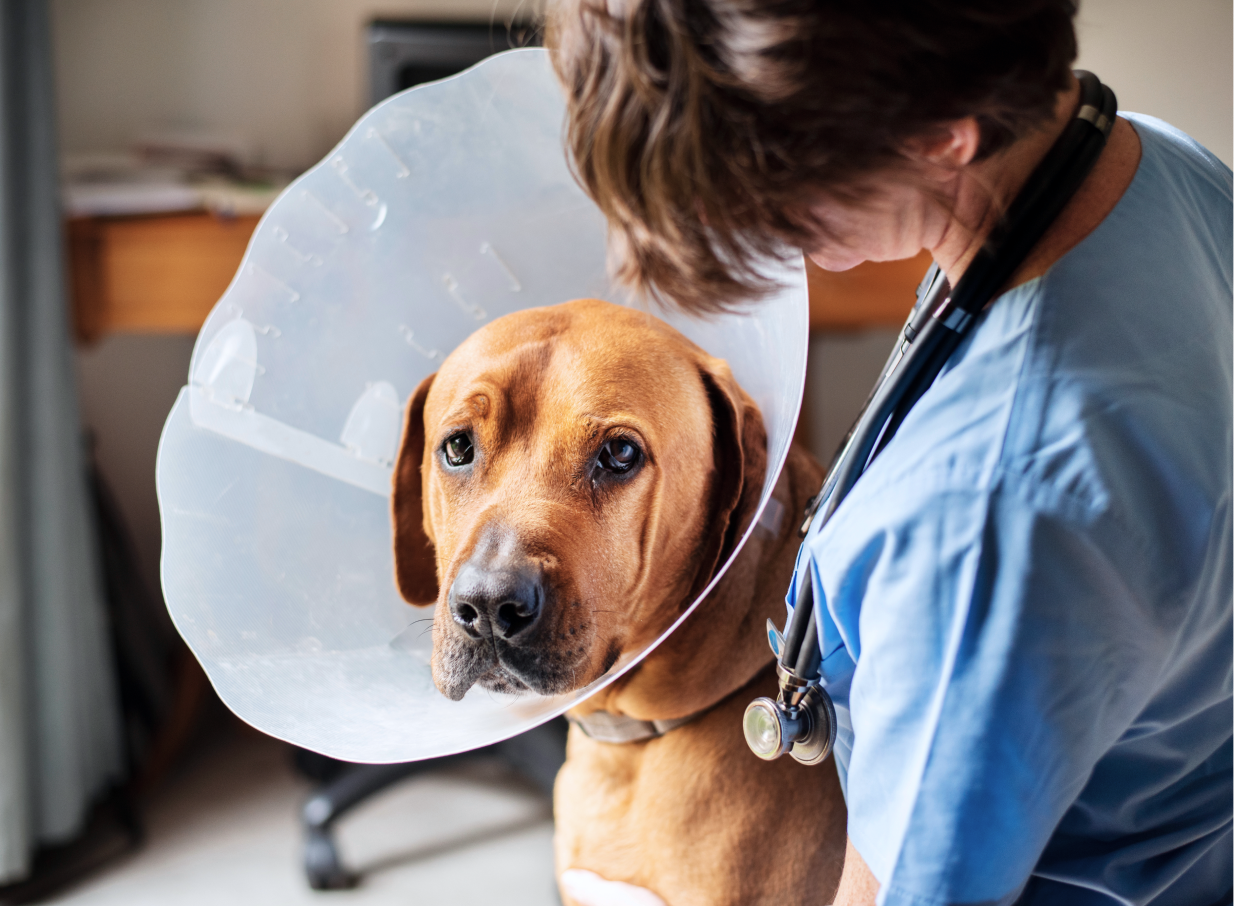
{"x":407,"y":53}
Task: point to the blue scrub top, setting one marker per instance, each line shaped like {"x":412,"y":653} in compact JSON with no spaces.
{"x":1027,"y":598}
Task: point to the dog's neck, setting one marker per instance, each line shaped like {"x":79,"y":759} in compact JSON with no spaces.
{"x":723,"y":645}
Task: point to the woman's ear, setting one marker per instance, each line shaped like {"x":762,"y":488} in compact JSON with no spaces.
{"x":953,"y":146}
{"x":415,"y":557}
{"x":739,"y":450}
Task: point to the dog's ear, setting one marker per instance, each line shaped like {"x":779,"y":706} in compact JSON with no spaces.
{"x":415,"y":557}
{"x":739,"y":449}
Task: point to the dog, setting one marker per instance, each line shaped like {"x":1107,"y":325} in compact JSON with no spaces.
{"x":566,"y":485}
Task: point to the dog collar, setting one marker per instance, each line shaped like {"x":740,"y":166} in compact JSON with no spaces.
{"x":605,"y":726}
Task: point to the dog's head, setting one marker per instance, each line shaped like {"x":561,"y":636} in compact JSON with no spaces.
{"x":566,"y":483}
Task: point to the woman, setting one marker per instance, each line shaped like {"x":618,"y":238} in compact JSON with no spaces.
{"x":1026,"y":613}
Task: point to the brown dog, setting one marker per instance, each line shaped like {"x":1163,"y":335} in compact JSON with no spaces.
{"x":566,"y":485}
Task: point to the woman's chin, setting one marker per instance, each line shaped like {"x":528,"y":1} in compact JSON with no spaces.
{"x":837,"y":262}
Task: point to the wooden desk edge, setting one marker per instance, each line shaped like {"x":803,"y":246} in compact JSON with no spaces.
{"x":869,"y":295}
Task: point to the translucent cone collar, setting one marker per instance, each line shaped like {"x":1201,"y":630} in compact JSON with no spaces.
{"x":446,"y":206}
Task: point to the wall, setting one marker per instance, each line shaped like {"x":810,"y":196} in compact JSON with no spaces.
{"x":1170,"y":58}
{"x":288,"y":77}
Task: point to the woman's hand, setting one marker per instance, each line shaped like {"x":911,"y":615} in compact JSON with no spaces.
{"x":858,"y":887}
{"x":586,"y":888}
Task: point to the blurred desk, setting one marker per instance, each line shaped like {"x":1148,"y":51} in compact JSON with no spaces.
{"x":163,"y":273}
{"x":874,"y":294}
{"x":151,"y":274}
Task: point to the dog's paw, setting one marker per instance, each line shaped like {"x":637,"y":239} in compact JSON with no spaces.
{"x":586,"y":888}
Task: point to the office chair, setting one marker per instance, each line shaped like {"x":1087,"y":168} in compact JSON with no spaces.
{"x":536,"y":754}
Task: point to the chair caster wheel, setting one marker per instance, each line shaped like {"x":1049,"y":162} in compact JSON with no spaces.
{"x":322,"y":865}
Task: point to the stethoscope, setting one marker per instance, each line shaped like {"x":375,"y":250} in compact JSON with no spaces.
{"x":801,"y":720}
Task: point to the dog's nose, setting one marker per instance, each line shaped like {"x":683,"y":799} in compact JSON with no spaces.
{"x":504,"y":601}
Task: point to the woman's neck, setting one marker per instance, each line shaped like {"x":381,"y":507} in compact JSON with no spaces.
{"x":983,"y":190}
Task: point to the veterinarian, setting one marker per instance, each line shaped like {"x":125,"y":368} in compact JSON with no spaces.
{"x":1025,"y":602}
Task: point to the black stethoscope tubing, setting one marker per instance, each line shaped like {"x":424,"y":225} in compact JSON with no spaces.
{"x":940,"y":321}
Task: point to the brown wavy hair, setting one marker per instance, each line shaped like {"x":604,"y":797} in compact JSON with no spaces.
{"x":702,"y":127}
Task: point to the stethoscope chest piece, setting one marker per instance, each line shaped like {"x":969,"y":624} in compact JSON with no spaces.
{"x":801,"y":722}
{"x":820,"y":738}
{"x":806,"y":732}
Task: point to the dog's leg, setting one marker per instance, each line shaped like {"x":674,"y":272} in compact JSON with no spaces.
{"x":586,"y":888}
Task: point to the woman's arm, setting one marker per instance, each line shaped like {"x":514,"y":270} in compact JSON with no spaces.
{"x":858,"y":887}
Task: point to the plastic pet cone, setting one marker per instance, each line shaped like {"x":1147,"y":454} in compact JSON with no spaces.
{"x":446,"y":206}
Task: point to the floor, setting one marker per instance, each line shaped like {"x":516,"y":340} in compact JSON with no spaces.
{"x":225,"y":832}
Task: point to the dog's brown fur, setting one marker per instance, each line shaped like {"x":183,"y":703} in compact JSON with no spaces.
{"x":692,"y":815}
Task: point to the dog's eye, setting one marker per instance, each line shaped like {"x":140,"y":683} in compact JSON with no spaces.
{"x":618,"y":455}
{"x":459,"y":450}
